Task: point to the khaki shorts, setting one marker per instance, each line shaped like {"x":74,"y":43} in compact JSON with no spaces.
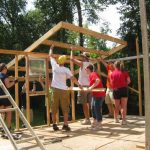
{"x":60,"y":98}
{"x":109,"y":99}
{"x":83,"y":97}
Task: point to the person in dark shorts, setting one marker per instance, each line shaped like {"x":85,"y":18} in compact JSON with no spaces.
{"x":120,"y":80}
{"x":5,"y":103}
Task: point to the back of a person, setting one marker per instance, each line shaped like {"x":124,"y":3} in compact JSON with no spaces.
{"x":118,"y":79}
{"x":59,"y":77}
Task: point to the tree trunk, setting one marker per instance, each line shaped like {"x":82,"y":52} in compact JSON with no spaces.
{"x":78,"y":5}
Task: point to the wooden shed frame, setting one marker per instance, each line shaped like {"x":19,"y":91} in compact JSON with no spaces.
{"x":44,"y":40}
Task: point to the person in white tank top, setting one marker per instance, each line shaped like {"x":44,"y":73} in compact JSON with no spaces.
{"x":83,"y":97}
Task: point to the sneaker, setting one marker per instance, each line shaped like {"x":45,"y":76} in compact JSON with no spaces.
{"x":55,"y":127}
{"x":123,"y":122}
{"x":98,"y":126}
{"x":86,"y":122}
{"x":116,"y":121}
{"x":94,"y":123}
{"x":109,"y":116}
{"x":66,"y":128}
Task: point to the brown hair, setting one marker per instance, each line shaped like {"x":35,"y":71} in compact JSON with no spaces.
{"x":90,"y":67}
{"x":117,"y":64}
{"x":2,"y":66}
{"x":122,"y":66}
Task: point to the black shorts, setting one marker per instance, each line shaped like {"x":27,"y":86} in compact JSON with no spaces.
{"x":120,"y":93}
{"x":5,"y":102}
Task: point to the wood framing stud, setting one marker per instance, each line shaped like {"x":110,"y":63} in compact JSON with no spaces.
{"x":91,"y":33}
{"x":74,"y":47}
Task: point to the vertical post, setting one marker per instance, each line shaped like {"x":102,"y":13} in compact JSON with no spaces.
{"x":16,"y":92}
{"x":98,"y":68}
{"x":72,"y":92}
{"x":146,"y":71}
{"x":27,"y":90}
{"x":47,"y":97}
{"x":139,"y":77}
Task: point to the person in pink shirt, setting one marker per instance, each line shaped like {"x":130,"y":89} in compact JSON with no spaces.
{"x":97,"y":97}
{"x":119,"y":81}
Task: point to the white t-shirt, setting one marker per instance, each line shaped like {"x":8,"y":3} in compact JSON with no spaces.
{"x":60,"y":75}
{"x":83,"y":76}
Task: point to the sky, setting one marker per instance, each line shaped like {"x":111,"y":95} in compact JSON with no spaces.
{"x":109,"y":15}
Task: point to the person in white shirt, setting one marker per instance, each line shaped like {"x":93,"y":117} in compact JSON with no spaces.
{"x":60,"y":94}
{"x":84,"y":97}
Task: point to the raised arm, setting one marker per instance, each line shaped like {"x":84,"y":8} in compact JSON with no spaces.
{"x":103,"y":62}
{"x":77,"y":62}
{"x":51,"y":51}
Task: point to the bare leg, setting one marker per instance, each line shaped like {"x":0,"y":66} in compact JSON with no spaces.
{"x":110,"y":109}
{"x":86,"y":110}
{"x":124,"y":107}
{"x":8,"y":118}
{"x":66,"y":118}
{"x":117,"y":108}
{"x":54,"y":118}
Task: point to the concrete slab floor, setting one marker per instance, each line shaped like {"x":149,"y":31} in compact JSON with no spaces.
{"x":81,"y":137}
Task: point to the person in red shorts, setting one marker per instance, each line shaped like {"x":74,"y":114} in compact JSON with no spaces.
{"x":119,"y":81}
{"x":97,"y":97}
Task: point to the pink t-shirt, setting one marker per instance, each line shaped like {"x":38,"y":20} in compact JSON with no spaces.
{"x":118,"y":79}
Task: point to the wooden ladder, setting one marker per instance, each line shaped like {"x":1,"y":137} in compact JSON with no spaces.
{"x":22,"y":117}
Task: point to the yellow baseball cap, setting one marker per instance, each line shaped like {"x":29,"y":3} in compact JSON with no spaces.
{"x":61,"y":59}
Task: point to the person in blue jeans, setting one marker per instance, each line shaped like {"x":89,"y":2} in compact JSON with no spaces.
{"x":97,"y":97}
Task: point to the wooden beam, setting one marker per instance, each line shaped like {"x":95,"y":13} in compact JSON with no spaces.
{"x":47,"y":96}
{"x":38,"y":42}
{"x":27,"y":90}
{"x":146,"y":68}
{"x":74,"y":47}
{"x":86,"y":89}
{"x":72,"y":92}
{"x":16,"y":92}
{"x":134,"y":90}
{"x":139,"y":78}
{"x":116,"y":49}
{"x":19,"y":52}
{"x":91,"y":33}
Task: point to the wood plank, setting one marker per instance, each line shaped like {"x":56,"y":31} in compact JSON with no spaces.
{"x":116,"y":49}
{"x":139,"y":77}
{"x":47,"y":96}
{"x":134,"y":90}
{"x":91,"y":33}
{"x":74,"y":47}
{"x":16,"y":92}
{"x":19,"y":52}
{"x":27,"y":90}
{"x":86,"y":89}
{"x":72,"y":92}
{"x":38,"y":42}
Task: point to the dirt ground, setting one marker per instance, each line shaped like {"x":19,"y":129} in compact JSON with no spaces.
{"x":81,"y":137}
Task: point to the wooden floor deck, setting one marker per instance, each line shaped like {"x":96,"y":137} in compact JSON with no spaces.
{"x":81,"y":137}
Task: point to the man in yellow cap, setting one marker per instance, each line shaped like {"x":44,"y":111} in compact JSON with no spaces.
{"x":60,"y":94}
{"x":84,"y":97}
